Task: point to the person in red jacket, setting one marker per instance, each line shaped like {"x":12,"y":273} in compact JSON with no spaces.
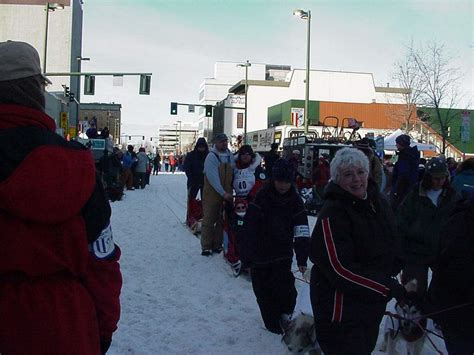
{"x":60,"y":279}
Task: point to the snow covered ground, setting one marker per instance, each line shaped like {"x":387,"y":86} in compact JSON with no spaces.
{"x":173,"y":299}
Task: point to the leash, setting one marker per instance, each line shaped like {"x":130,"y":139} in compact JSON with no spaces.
{"x":299,"y":278}
{"x":442,"y":311}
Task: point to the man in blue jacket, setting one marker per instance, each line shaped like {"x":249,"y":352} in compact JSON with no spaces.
{"x":405,"y":171}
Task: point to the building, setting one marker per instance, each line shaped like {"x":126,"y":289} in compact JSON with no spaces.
{"x":226,"y":74}
{"x":55,"y":30}
{"x":325,"y":85}
{"x":229,"y":117}
{"x":104,"y":115}
{"x":177,"y":138}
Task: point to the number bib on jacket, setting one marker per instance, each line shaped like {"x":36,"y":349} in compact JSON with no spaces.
{"x":244,"y":180}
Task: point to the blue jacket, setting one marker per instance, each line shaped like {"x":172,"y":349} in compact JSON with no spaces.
{"x":465,"y":177}
{"x":405,"y":171}
{"x":127,"y":161}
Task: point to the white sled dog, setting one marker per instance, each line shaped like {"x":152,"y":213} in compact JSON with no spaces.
{"x":403,"y":336}
{"x":300,"y":336}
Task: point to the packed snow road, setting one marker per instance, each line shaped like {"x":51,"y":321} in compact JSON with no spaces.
{"x":173,"y":299}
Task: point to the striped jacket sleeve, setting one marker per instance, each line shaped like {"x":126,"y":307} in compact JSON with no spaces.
{"x":332,"y":250}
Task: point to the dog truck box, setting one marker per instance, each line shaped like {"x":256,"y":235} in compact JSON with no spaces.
{"x":261,"y":140}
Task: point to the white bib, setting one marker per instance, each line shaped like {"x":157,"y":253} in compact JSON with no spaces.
{"x":244,"y":181}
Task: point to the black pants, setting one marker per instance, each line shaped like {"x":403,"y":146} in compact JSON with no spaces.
{"x":274,"y":287}
{"x":141,"y":180}
{"x":458,"y":342}
{"x":193,"y":191}
{"x":348,"y":338}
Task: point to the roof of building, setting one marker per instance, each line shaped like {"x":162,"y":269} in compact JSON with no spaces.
{"x":100,"y":106}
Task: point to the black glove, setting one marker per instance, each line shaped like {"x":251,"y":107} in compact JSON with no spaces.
{"x":105,"y":345}
{"x":397,"y":291}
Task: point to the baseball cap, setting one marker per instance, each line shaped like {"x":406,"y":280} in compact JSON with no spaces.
{"x":19,"y":60}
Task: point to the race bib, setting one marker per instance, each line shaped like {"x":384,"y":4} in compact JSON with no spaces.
{"x":104,"y":246}
{"x":244,"y":180}
{"x":301,"y":231}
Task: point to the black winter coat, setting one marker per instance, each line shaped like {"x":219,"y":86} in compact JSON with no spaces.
{"x":453,"y":274}
{"x":194,"y":166}
{"x":419,"y":222}
{"x":274,"y":226}
{"x":355,"y":254}
{"x":270,"y":158}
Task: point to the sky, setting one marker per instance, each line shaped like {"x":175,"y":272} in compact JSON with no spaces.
{"x":180,"y":40}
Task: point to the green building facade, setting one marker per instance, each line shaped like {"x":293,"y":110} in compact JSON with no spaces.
{"x":281,"y":114}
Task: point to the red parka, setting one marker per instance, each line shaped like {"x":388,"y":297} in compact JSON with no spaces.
{"x":59,"y":274}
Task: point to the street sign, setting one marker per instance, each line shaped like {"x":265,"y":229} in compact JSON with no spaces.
{"x":465,"y":126}
{"x":64,"y":121}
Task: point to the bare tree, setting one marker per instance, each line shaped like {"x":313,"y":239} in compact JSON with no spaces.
{"x":407,"y":76}
{"x":434,"y":84}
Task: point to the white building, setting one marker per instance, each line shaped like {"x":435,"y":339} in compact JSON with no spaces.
{"x":226,"y":74}
{"x":324,"y":85}
{"x":61,"y":29}
{"x":177,"y":138}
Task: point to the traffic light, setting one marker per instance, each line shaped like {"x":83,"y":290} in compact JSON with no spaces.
{"x":145,"y":84}
{"x":66,"y":91}
{"x":174,"y":108}
{"x":208,"y":110}
{"x":89,"y":85}
{"x":71,"y":97}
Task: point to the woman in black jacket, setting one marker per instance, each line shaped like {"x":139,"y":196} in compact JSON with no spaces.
{"x":275,"y":224}
{"x":355,"y":256}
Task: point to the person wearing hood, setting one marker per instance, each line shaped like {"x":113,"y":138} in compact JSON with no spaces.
{"x":464,"y":178}
{"x":194,"y":167}
{"x":218,"y":167}
{"x":249,"y":177}
{"x":375,"y":166}
{"x":60,"y":279}
{"x":356,"y":258}
{"x":405,"y":171}
{"x":420,"y":218}
{"x":275,"y":228}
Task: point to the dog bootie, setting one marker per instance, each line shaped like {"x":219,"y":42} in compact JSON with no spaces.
{"x":236,"y":268}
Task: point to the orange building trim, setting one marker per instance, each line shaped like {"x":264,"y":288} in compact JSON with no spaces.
{"x":375,"y":115}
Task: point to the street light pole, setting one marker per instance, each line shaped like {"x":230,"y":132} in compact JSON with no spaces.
{"x":306,"y":15}
{"x":246,"y":65}
{"x":179,"y":137}
{"x":52,"y":7}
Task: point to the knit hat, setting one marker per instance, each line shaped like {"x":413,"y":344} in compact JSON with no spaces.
{"x":283,"y":170}
{"x":403,"y":140}
{"x":437,"y":167}
{"x":246,"y":149}
{"x":19,"y":60}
